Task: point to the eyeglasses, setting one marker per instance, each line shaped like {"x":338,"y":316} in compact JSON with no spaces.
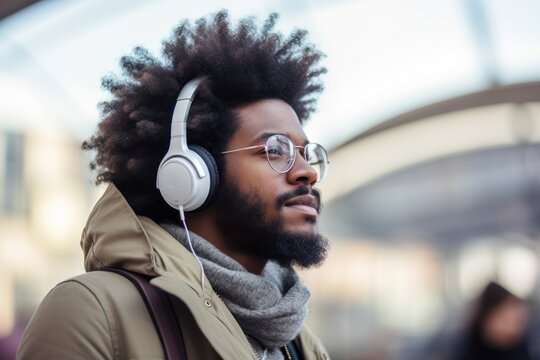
{"x":281,"y":154}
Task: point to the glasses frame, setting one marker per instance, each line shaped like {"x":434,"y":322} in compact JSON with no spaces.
{"x":290,"y":166}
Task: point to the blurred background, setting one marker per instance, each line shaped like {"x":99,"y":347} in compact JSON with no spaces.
{"x":432,"y":116}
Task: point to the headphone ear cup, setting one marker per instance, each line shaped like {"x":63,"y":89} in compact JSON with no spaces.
{"x":212,"y":171}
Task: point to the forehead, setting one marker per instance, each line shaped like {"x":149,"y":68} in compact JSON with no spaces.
{"x":272,"y":116}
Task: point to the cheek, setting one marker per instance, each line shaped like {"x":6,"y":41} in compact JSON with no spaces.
{"x":256,"y":178}
{"x":247,"y":167}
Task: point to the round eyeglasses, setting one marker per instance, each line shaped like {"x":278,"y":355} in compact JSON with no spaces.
{"x":281,"y":154}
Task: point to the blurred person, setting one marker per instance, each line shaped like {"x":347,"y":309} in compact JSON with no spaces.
{"x":8,"y":343}
{"x":498,"y":327}
{"x":245,"y":189}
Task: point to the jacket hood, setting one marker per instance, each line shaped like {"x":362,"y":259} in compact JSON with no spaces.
{"x":114,"y":236}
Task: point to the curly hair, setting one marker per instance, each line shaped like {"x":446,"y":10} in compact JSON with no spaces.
{"x":242,"y":64}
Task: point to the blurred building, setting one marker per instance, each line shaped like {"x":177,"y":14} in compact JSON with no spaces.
{"x":426,"y":208}
{"x":44,"y":199}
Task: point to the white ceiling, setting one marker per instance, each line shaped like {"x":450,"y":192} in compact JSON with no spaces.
{"x":384,"y":57}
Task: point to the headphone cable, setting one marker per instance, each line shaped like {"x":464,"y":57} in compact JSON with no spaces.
{"x":183,"y":219}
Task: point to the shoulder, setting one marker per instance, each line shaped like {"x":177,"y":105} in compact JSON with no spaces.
{"x":69,"y":322}
{"x":102,"y":285}
{"x":81,"y":294}
{"x":90,"y":316}
{"x":98,"y":290}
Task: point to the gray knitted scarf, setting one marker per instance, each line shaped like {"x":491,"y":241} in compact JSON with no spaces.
{"x":269,"y":307}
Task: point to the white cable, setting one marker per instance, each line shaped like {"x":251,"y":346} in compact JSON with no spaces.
{"x":183,"y":219}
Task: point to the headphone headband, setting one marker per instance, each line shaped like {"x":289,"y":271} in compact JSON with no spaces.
{"x":181,"y":111}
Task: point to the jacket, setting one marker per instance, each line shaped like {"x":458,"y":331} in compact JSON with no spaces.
{"x":101,"y":315}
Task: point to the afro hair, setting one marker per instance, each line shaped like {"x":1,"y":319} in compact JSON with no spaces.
{"x":242,"y":63}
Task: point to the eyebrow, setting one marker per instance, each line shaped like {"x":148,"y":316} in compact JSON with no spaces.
{"x":264,"y":136}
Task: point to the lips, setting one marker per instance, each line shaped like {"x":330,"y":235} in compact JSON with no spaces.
{"x":308,"y":204}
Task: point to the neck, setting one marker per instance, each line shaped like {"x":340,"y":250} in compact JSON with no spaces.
{"x":204,"y":225}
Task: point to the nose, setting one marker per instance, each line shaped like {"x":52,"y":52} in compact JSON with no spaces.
{"x":302,"y":172}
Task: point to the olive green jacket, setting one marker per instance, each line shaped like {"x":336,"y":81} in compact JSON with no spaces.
{"x":100,"y":315}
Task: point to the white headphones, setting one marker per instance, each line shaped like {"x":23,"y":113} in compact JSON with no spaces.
{"x":187,"y":176}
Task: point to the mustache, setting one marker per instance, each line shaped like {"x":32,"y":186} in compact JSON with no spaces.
{"x":302,"y":190}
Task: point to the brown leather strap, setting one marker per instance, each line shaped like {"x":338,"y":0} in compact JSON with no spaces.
{"x":160,"y":308}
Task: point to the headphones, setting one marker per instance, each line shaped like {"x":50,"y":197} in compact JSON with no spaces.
{"x":187,"y":176}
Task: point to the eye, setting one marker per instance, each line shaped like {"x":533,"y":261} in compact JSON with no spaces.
{"x":274,"y":151}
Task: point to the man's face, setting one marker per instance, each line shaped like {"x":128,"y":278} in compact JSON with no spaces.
{"x":265,"y":213}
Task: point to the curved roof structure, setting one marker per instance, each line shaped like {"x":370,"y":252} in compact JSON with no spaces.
{"x":385,"y":57}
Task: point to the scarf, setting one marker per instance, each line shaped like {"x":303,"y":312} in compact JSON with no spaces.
{"x":270,"y":307}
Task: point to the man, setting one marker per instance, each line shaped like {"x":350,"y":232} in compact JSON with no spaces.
{"x":230,"y":280}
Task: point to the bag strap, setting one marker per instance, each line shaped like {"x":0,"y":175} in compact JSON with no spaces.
{"x":161,"y":311}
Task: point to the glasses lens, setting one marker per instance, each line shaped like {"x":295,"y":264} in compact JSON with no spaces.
{"x":317,"y":157}
{"x":280,"y":153}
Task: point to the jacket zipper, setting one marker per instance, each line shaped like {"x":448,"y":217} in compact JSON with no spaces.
{"x":253,"y":349}
{"x":287,"y":353}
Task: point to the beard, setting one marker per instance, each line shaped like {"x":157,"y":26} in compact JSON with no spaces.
{"x":247,"y":229}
